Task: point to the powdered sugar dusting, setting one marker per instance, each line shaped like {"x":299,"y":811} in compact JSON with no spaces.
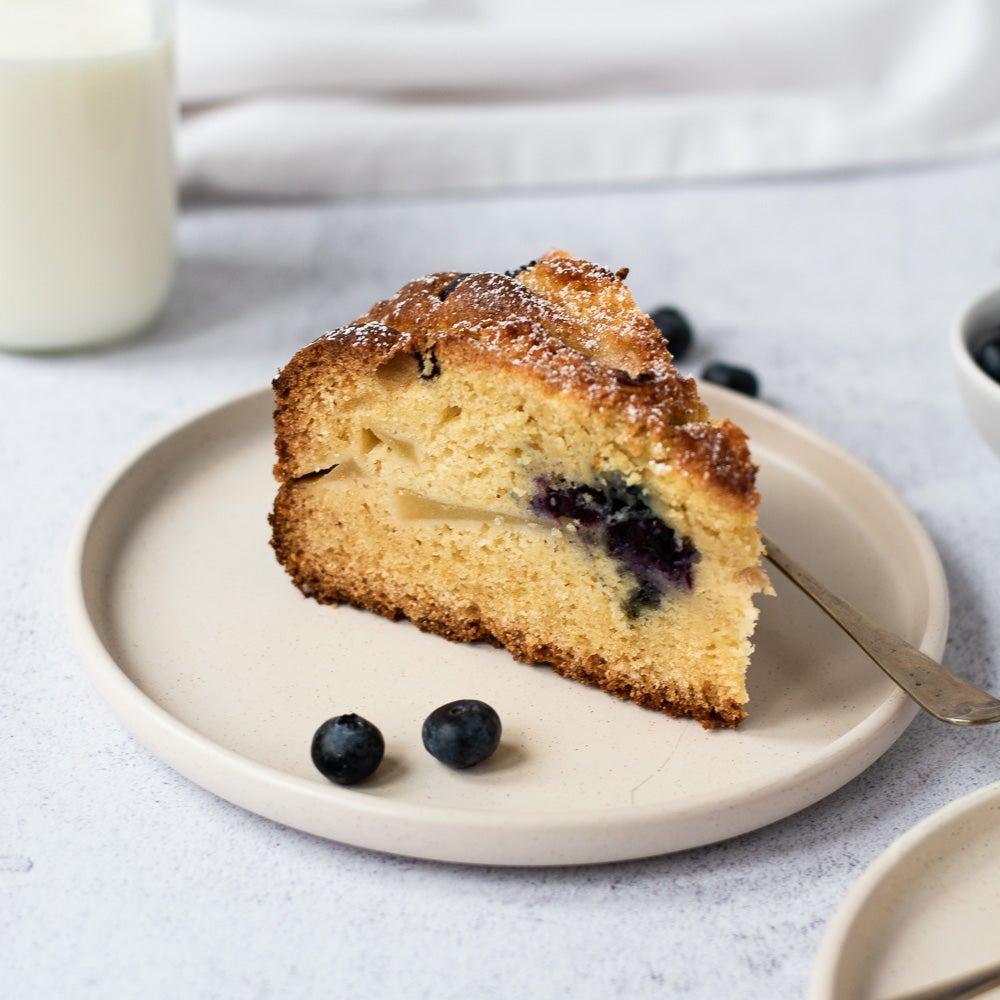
{"x":499,"y":299}
{"x":376,"y":334}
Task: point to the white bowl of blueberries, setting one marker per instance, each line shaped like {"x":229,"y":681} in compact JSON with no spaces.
{"x":975,"y":349}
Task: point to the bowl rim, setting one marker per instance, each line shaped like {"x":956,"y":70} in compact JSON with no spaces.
{"x":963,"y":329}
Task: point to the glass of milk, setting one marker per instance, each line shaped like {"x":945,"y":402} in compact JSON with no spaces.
{"x":87,"y":181}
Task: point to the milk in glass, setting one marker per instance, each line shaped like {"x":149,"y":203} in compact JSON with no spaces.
{"x":87,"y":189}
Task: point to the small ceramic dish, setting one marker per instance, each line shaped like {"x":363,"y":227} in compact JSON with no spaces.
{"x":971,"y":329}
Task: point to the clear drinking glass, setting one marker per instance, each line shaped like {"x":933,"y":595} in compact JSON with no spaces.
{"x":87,"y":178}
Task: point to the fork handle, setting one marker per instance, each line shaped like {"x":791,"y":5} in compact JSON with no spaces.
{"x":934,"y":687}
{"x":963,"y":988}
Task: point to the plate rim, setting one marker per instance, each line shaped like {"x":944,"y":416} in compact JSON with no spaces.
{"x":831,"y":954}
{"x":176,"y":744}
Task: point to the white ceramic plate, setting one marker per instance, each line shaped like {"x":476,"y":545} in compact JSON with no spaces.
{"x":927,"y":910}
{"x":200,"y":644}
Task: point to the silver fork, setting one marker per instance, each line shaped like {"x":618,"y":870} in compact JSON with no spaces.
{"x":972,"y":984}
{"x":932,"y":686}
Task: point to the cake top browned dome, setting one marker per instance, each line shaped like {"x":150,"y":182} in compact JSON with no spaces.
{"x":569,"y":324}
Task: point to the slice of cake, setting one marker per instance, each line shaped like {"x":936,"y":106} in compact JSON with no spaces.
{"x":513,"y":458}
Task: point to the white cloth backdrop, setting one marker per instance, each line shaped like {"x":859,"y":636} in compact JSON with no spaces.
{"x":327,"y":98}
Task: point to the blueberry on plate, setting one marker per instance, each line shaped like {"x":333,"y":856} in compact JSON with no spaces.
{"x":988,"y":356}
{"x":347,"y":749}
{"x":674,"y":328}
{"x":462,"y":733}
{"x":732,"y":377}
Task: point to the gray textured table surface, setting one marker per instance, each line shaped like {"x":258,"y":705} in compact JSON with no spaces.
{"x":120,"y":878}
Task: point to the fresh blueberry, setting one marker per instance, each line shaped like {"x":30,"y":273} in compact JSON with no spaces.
{"x":347,"y":749}
{"x":462,"y":733}
{"x":674,"y":328}
{"x":988,"y":357}
{"x":515,"y":271}
{"x":732,"y":377}
{"x":452,"y":285}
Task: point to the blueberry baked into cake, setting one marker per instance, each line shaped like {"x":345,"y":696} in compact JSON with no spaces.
{"x":513,"y":458}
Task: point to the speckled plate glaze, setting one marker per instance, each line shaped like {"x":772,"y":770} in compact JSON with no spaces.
{"x":927,"y":910}
{"x":202,"y":647}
